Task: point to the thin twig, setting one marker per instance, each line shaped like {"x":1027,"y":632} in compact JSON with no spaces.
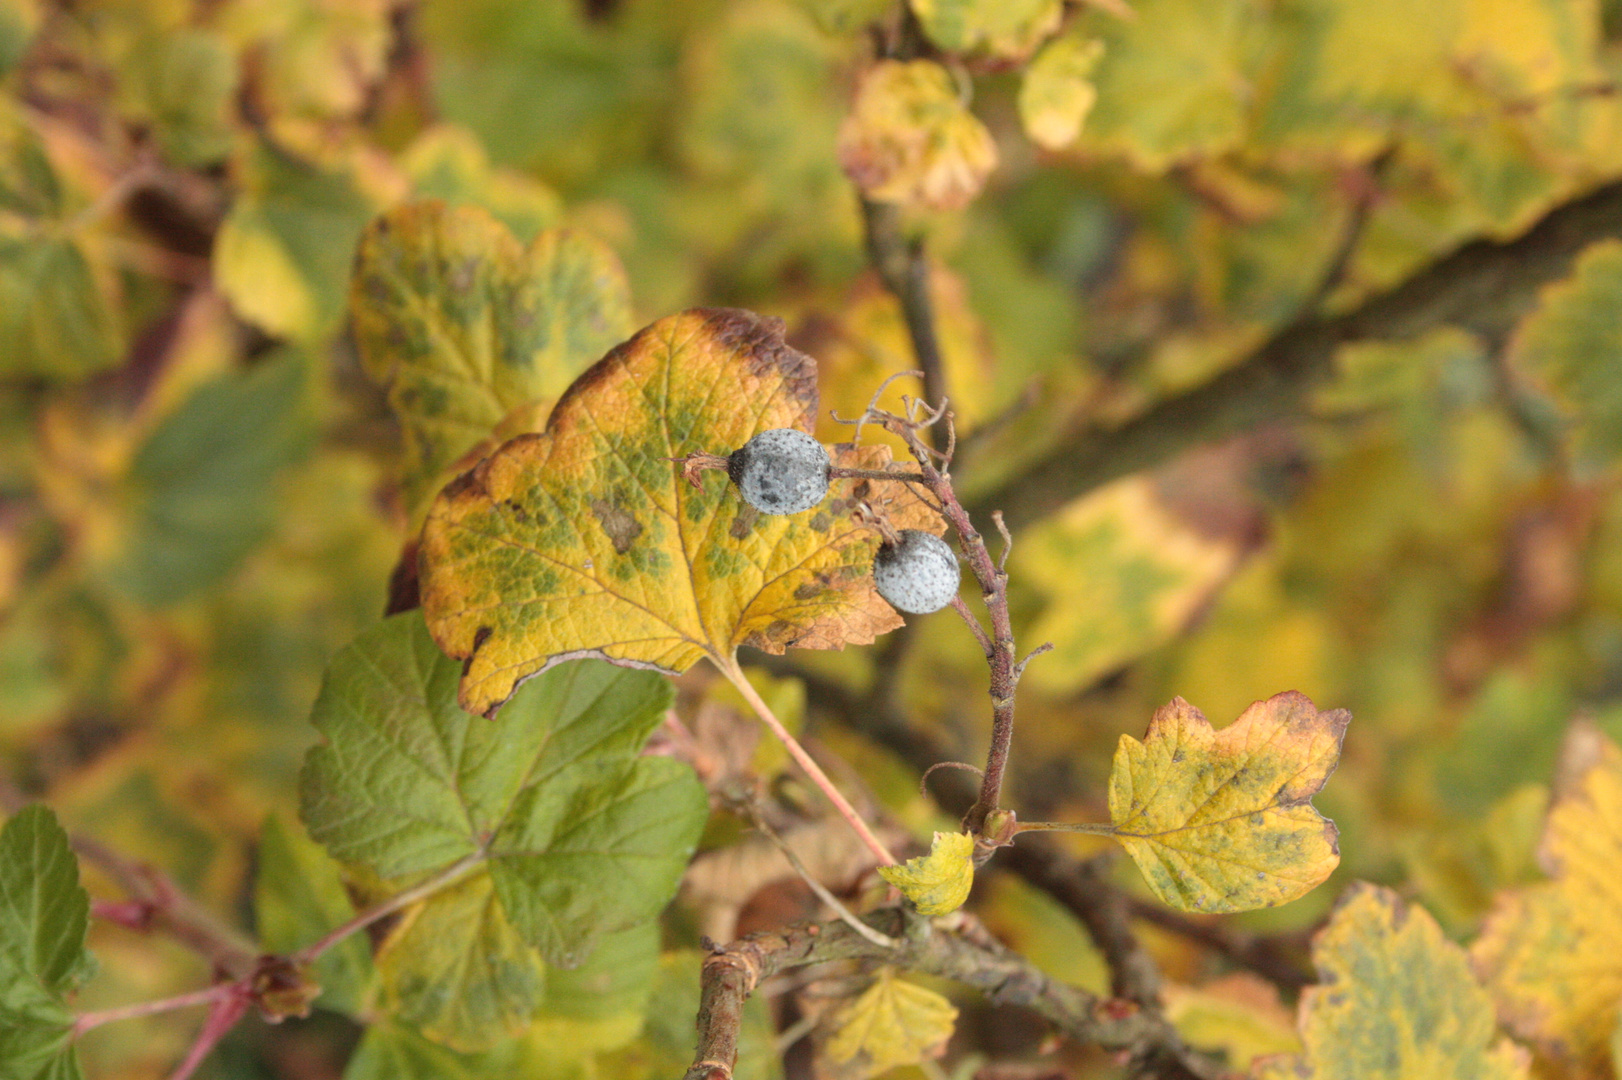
{"x":974,"y":626}
{"x":904,"y":269}
{"x":735,"y":675}
{"x":1483,"y":284}
{"x":156,"y":902}
{"x":834,"y":903}
{"x":993,"y":590}
{"x":87,"y":1020}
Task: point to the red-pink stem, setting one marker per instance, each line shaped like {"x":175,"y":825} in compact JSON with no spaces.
{"x":85,"y":1021}
{"x":221,"y":1019}
{"x":398,"y":902}
{"x":735,"y":675}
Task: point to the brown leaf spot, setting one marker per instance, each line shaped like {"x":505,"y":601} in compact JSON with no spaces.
{"x":617,"y":522}
{"x":743,"y":523}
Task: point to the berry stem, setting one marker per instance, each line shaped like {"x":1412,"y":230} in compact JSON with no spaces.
{"x":999,"y":644}
{"x":735,"y":675}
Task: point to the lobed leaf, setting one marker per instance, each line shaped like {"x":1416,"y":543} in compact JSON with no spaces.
{"x":1006,"y":28}
{"x":44,"y":915}
{"x":891,"y":1023}
{"x":1573,"y":343}
{"x":584,"y":540}
{"x":1552,"y":952}
{"x":462,"y":324}
{"x":573,"y":835}
{"x":937,"y":883}
{"x":1057,"y":91}
{"x":1395,"y":1001}
{"x":909,"y":138}
{"x":1222,"y":821}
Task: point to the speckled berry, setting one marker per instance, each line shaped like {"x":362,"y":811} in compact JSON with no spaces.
{"x":919,"y":574}
{"x":782,"y":471}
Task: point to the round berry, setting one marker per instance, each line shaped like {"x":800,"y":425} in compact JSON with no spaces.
{"x":919,"y":574}
{"x":782,"y":471}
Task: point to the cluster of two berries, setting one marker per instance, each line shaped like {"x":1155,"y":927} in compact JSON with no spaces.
{"x":785,"y":471}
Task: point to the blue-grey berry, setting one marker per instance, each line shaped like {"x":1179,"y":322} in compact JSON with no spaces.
{"x":917,"y":575}
{"x":781,"y":471}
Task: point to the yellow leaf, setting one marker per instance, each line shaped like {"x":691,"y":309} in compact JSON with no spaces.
{"x":892,"y":1023}
{"x":911,"y":140}
{"x":1552,"y":953}
{"x":456,"y":970}
{"x":463,"y":324}
{"x":1173,"y":84}
{"x":584,"y":540}
{"x":865,"y":342}
{"x":1396,"y":1001}
{"x":1122,"y":573}
{"x":937,"y":883}
{"x":1222,"y":821}
{"x":1007,"y":28}
{"x":1058,"y":93}
{"x":1239,"y":1014}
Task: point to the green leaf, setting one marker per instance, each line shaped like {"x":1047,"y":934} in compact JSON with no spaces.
{"x":1395,"y":1001}
{"x":55,"y":316}
{"x":579,"y":836}
{"x":1008,"y":28}
{"x":456,"y":970}
{"x":462,"y":324}
{"x":179,"y":82}
{"x":37,"y":1044}
{"x":298,"y":897}
{"x":18,"y":21}
{"x":1573,"y":342}
{"x":284,"y":251}
{"x":1171,"y":81}
{"x":627,"y":828}
{"x":200,"y":493}
{"x":389,"y":1051}
{"x":44,"y":914}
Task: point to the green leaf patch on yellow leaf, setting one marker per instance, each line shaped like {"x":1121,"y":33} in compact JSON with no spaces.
{"x":584,"y":540}
{"x":937,"y":883}
{"x":1552,"y":953}
{"x":1395,"y":1001}
{"x":462,"y":324}
{"x":1222,"y":821}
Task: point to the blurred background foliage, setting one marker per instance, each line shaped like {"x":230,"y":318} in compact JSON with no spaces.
{"x":200,"y":492}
